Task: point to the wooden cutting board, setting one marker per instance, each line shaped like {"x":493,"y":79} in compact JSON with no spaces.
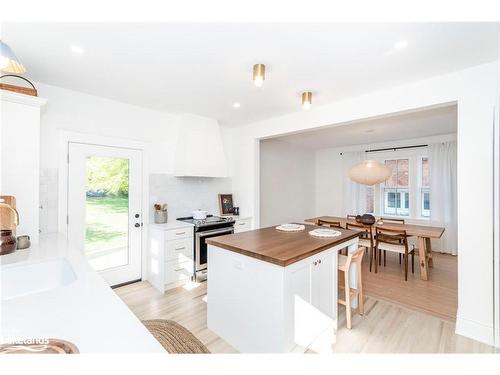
{"x":7,"y":220}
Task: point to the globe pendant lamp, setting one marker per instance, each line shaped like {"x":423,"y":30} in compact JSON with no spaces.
{"x":8,"y":61}
{"x":370,"y":172}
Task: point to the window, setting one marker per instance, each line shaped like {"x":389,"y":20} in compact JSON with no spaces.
{"x":396,"y":189}
{"x":425,"y":206}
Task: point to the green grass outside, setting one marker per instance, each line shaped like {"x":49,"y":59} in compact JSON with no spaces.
{"x":107,"y":222}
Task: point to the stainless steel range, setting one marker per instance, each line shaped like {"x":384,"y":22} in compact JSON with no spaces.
{"x":212,"y":226}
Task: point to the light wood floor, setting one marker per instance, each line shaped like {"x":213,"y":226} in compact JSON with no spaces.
{"x":385,"y":327}
{"x":436,"y":296}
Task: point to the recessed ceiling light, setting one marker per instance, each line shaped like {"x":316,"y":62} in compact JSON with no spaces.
{"x":401,"y":44}
{"x":77,"y":49}
{"x":236,"y":105}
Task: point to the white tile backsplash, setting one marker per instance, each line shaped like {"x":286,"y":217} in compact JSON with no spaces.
{"x":186,"y":194}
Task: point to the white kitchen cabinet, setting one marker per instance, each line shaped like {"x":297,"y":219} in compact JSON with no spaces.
{"x":242,"y":224}
{"x":20,"y":157}
{"x":170,"y":255}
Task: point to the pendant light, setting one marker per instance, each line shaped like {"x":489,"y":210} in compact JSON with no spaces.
{"x":306,"y":99}
{"x":8,"y":61}
{"x":370,"y":172}
{"x":259,"y":74}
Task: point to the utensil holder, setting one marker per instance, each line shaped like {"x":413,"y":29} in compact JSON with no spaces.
{"x":161,"y":217}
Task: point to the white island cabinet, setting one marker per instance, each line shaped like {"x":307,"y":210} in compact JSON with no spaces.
{"x":272,"y":292}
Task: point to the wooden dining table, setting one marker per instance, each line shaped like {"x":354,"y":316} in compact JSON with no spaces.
{"x":424,"y":234}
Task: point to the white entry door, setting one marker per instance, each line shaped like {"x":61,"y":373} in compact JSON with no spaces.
{"x":104,"y":209}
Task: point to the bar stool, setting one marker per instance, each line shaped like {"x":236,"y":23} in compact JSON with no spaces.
{"x":344,"y":265}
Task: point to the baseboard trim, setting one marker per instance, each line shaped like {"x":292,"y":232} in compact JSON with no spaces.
{"x":474,"y":330}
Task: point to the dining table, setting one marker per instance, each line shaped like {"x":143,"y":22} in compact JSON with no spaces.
{"x":423,"y":233}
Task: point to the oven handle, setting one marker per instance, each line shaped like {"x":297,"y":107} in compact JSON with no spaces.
{"x":214,"y":231}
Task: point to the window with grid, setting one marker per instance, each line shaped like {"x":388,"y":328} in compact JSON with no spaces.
{"x":396,"y":189}
{"x":425,"y":206}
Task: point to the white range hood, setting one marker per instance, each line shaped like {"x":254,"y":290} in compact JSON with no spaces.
{"x":200,"y":151}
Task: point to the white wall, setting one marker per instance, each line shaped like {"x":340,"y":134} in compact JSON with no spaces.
{"x":287,"y":183}
{"x":474,"y":91}
{"x":74,"y":111}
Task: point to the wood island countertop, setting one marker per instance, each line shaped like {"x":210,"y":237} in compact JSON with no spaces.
{"x":280,"y":248}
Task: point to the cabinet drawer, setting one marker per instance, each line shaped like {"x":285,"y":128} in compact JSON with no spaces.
{"x":242,"y":226}
{"x":175,"y":234}
{"x":175,"y":271}
{"x":179,"y":250}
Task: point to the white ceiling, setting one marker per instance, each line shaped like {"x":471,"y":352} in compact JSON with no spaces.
{"x":204,"y":68}
{"x":419,"y":124}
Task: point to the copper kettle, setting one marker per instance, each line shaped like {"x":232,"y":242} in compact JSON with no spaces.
{"x":7,"y":236}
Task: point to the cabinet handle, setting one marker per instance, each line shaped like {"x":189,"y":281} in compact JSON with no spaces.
{"x":180,"y":248}
{"x":180,"y":269}
{"x":315,"y":263}
{"x":241,"y":223}
{"x":179,"y":233}
{"x":319,"y":261}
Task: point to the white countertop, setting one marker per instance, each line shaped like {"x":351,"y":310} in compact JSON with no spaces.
{"x":174,"y":224}
{"x":86,"y":312}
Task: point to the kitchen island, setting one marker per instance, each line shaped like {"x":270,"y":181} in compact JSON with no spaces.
{"x":275,"y":292}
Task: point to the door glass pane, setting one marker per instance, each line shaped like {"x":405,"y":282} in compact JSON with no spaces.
{"x":106,"y":212}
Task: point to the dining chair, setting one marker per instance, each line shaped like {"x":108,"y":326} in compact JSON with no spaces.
{"x":395,"y":240}
{"x":327,"y":223}
{"x":344,"y":265}
{"x":393,"y":220}
{"x":365,"y":240}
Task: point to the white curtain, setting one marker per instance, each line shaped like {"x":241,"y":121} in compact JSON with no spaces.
{"x":354,"y":194}
{"x":443,"y":193}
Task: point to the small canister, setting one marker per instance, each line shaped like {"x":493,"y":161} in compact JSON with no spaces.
{"x":23,"y":242}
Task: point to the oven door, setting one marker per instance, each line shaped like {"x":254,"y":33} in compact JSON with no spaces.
{"x":201,"y":246}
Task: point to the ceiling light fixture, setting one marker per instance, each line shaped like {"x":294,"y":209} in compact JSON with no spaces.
{"x":370,"y":172}
{"x":259,"y":74}
{"x":77,"y":49}
{"x":236,"y":105}
{"x":8,"y":61}
{"x":307,"y":99}
{"x":401,"y":44}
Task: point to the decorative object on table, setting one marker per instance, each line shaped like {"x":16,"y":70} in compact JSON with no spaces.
{"x":174,"y":338}
{"x":365,"y":219}
{"x":380,"y":221}
{"x":161,"y":213}
{"x":325,"y":233}
{"x":370,"y":172}
{"x":9,"y":63}
{"x":236,"y":211}
{"x":307,"y":100}
{"x":199,"y":214}
{"x":7,"y":242}
{"x":291,"y":227}
{"x":226,"y":204}
{"x":23,"y":242}
{"x":49,"y":346}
